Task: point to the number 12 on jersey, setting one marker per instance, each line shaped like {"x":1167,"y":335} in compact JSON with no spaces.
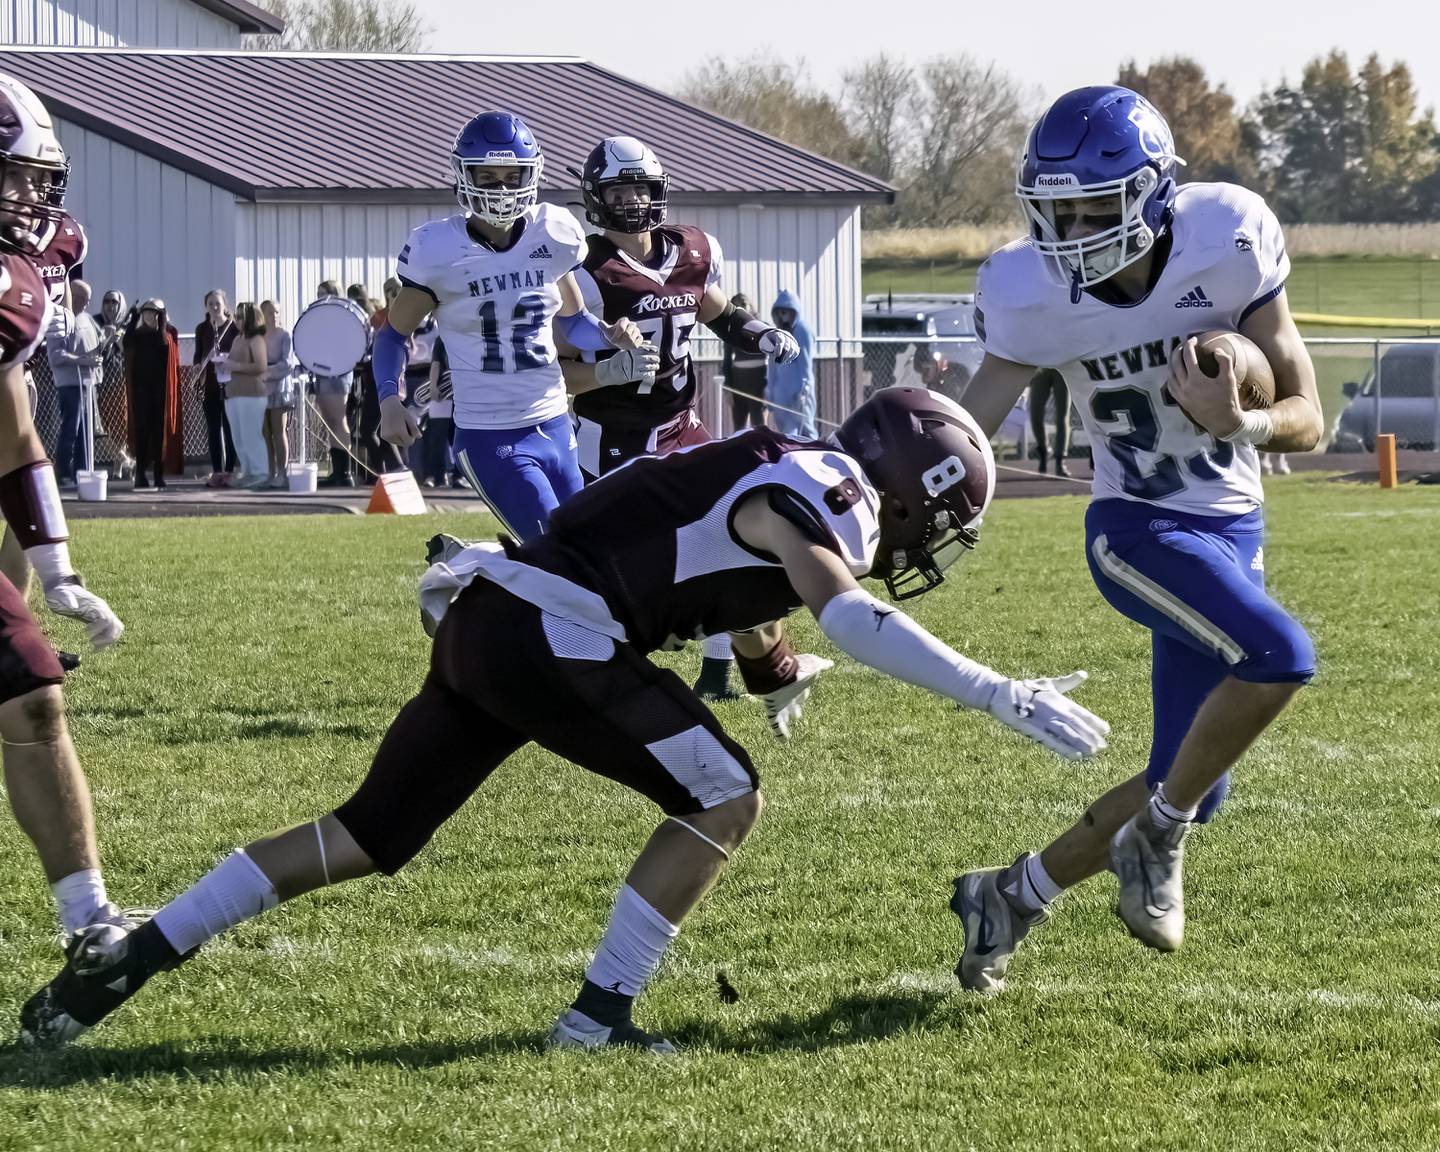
{"x":523,"y":324}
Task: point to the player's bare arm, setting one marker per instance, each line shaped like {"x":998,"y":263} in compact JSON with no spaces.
{"x":1292,"y":424}
{"x":993,"y":390}
{"x":19,"y":442}
{"x":1296,"y":414}
{"x":883,"y":637}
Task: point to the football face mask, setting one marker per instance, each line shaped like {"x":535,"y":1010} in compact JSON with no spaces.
{"x":497,"y":189}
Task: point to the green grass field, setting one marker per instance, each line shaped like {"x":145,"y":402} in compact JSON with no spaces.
{"x":265,"y":658}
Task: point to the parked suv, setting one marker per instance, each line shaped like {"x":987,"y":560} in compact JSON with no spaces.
{"x":914,"y":355}
{"x":1407,"y":402}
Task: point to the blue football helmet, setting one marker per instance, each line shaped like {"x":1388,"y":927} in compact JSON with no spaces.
{"x":496,"y":140}
{"x":1094,"y":144}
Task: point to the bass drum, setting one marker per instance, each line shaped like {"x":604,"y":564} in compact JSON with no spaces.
{"x":331,"y":336}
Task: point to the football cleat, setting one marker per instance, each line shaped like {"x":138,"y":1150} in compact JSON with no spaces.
{"x":715,"y":681}
{"x":993,"y":929}
{"x":439,"y":549}
{"x":785,"y":705}
{"x":576,"y":1030}
{"x":105,"y":965}
{"x":1152,"y":897}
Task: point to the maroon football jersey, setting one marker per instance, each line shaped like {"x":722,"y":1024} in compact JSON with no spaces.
{"x":655,"y":538}
{"x":24,"y":309}
{"x":663,"y":300}
{"x":63,"y":253}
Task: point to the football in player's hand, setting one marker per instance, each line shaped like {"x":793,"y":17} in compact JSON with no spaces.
{"x":1253,"y":378}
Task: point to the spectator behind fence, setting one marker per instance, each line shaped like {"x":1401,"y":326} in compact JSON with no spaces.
{"x":332,"y":394}
{"x":213,"y":337}
{"x":152,"y":374}
{"x":1047,"y":385}
{"x":745,"y":377}
{"x":246,"y":395}
{"x":379,"y":455}
{"x":938,"y":374}
{"x":790,"y":388}
{"x":431,"y":459}
{"x":73,"y":348}
{"x":280,"y":393}
{"x":110,"y":399}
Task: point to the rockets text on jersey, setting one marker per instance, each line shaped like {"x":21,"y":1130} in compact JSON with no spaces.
{"x":663,"y":299}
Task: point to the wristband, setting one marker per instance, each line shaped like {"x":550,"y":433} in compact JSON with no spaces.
{"x":583,"y":332}
{"x":1257,"y":427}
{"x":387,"y":361}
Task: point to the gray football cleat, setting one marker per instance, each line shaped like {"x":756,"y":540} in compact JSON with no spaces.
{"x":576,"y":1030}
{"x":1152,"y":896}
{"x":993,"y":928}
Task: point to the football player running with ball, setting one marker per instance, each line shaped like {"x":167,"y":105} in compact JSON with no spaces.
{"x":549,"y":642}
{"x":45,"y":785}
{"x":665,"y":278}
{"x":499,"y":279}
{"x":1119,"y":271}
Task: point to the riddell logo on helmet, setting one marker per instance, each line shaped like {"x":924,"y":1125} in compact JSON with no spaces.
{"x":653,"y":303}
{"x":1063,"y":180}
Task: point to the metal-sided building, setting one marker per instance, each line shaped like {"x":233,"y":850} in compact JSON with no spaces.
{"x":266,"y":172}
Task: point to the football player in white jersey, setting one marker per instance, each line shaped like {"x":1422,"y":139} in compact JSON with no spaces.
{"x":498,"y":279}
{"x":1120,"y":269}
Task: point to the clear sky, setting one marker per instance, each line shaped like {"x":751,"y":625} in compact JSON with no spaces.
{"x":1246,"y":44}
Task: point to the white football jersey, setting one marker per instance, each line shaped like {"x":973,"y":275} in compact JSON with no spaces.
{"x":1227,"y":258}
{"x":495,"y":313}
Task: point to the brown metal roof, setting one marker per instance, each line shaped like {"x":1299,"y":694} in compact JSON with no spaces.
{"x":246,"y":16}
{"x":280,"y":125}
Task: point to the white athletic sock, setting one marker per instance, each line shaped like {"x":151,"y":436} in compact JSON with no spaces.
{"x":717,"y":647}
{"x":1029,"y":887}
{"x":634,"y":941}
{"x":79,"y":897}
{"x":1165,"y":815}
{"x":233,"y":891}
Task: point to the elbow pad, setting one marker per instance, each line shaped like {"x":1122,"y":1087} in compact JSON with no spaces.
{"x":877,"y":634}
{"x":583,"y":332}
{"x":387,"y":361}
{"x":739,"y":329}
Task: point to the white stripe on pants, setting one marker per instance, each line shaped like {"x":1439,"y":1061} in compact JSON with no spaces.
{"x":247,"y":418}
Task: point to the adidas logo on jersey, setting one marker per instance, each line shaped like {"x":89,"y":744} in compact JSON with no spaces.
{"x":1195,"y":298}
{"x":541,"y":253}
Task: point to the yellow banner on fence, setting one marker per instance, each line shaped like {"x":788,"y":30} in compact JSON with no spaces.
{"x":1324,"y":320}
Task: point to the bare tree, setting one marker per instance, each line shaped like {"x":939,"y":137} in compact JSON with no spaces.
{"x":876,"y":96}
{"x":970,"y":120}
{"x":775,"y":97}
{"x":346,"y":26}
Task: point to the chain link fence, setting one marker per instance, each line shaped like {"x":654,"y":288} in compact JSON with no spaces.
{"x":1367,"y":386}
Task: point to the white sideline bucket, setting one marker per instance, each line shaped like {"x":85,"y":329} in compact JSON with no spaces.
{"x":303,"y":477}
{"x":92,"y":486}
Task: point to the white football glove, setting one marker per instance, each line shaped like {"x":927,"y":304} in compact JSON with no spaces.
{"x":780,"y":345}
{"x":628,"y":365}
{"x":73,"y":599}
{"x":784,"y":706}
{"x":1040,"y":710}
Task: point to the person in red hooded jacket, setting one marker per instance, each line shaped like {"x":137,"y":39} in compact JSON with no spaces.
{"x":152,"y":374}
